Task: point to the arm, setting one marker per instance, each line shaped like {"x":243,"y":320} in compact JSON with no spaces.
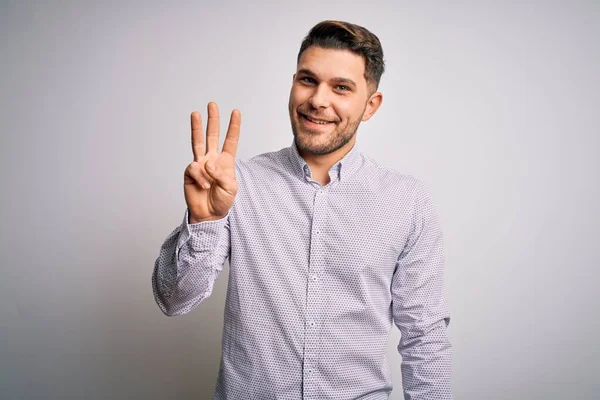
{"x":420,"y":307}
{"x":189,"y":262}
{"x":192,"y":256}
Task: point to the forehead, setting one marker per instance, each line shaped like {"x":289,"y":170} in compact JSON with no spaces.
{"x":333,"y":63}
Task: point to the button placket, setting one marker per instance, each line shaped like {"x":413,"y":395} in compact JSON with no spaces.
{"x":314,"y":292}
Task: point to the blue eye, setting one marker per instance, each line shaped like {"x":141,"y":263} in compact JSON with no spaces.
{"x":343,"y":88}
{"x":308,"y":79}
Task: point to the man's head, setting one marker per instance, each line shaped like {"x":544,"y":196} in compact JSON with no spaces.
{"x":335,"y":85}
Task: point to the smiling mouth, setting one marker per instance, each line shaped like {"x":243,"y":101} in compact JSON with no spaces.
{"x":315,"y":121}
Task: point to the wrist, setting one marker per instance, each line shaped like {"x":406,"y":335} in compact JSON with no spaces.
{"x":194,"y":220}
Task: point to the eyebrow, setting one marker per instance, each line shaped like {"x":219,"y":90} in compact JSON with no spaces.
{"x":338,"y":80}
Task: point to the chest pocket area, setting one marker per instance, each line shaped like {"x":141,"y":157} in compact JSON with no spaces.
{"x":359,"y":246}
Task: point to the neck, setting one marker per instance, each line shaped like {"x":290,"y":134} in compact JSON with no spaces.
{"x":320,"y":164}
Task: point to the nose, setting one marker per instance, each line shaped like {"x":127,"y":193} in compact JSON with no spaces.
{"x":320,"y":97}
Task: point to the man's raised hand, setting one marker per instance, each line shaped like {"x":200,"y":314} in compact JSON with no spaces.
{"x":209,"y":182}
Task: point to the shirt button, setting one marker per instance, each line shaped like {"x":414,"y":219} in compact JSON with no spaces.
{"x":312,"y":323}
{"x":314,"y":278}
{"x":318,"y":231}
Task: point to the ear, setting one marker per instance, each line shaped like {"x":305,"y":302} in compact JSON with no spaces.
{"x":293,"y":78}
{"x":373,"y":104}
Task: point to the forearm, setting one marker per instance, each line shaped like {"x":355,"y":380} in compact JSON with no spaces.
{"x":427,"y":364}
{"x":190,"y":260}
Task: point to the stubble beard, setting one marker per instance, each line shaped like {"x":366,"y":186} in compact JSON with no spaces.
{"x":337,"y":139}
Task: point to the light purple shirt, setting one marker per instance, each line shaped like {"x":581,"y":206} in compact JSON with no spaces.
{"x":318,"y":276}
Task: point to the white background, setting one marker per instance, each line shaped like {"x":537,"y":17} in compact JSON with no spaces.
{"x":494,"y":105}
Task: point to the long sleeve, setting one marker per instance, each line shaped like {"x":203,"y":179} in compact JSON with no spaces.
{"x":420,"y":308}
{"x":190,"y":260}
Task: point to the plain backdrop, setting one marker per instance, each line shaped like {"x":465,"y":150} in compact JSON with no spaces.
{"x":494,"y":105}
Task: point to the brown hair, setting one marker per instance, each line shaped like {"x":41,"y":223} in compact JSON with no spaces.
{"x":346,"y":36}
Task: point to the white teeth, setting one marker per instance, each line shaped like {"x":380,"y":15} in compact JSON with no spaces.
{"x":317,"y":122}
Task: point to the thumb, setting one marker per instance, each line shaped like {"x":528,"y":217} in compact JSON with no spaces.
{"x":218,"y":174}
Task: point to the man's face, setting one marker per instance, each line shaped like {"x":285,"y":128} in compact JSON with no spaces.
{"x":328,"y":99}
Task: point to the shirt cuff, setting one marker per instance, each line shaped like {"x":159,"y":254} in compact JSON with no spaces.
{"x":204,"y":234}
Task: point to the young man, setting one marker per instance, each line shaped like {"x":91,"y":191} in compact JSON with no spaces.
{"x":326,"y":248}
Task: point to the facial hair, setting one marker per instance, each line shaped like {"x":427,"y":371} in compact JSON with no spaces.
{"x":337,"y":139}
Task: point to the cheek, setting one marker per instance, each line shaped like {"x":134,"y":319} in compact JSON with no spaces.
{"x":347,"y":110}
{"x":296,"y":96}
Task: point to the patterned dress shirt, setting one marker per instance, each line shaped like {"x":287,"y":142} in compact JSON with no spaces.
{"x":318,"y":275}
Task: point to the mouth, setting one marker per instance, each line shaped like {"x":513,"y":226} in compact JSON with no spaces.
{"x":319,"y":123}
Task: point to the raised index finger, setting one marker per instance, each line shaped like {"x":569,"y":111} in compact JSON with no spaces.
{"x":197,"y":136}
{"x":233,"y":133}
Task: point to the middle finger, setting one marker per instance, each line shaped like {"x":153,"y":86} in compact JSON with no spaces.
{"x":212,"y":129}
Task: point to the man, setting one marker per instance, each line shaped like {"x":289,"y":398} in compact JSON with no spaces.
{"x":326,"y":248}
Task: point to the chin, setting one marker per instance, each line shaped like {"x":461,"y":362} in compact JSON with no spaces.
{"x":306,"y":143}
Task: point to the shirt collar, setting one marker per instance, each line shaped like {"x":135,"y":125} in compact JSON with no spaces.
{"x":343,"y":169}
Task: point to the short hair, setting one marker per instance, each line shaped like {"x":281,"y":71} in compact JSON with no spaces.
{"x":346,"y":36}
